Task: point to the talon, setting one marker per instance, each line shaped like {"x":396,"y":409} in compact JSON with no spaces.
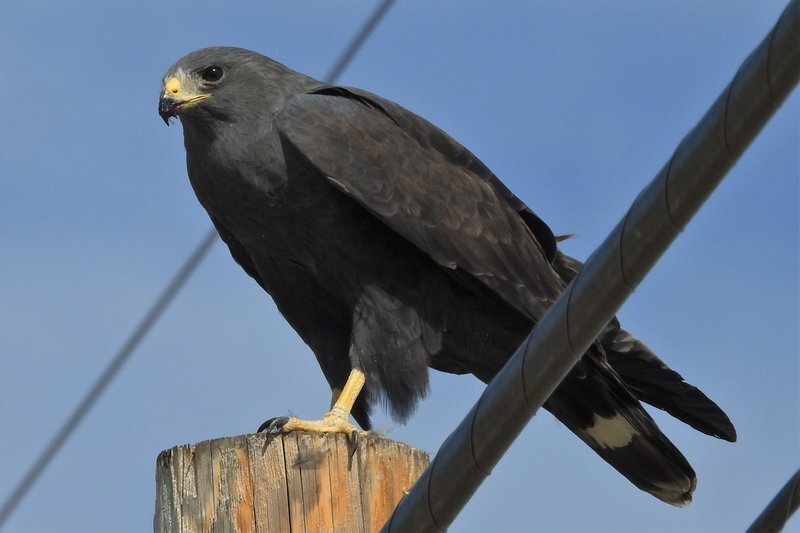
{"x":273,"y":424}
{"x":334,"y":421}
{"x":272,"y":427}
{"x":352,"y":446}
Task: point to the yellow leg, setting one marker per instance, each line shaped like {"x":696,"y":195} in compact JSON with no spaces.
{"x":335,"y":396}
{"x":347,"y":397}
{"x":337,"y":420}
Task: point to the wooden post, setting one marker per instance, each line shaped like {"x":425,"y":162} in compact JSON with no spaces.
{"x":301,"y":482}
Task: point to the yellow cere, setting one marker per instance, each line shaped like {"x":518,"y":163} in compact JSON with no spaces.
{"x":173,"y":86}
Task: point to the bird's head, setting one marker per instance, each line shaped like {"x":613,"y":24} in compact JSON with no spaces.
{"x":218,"y":82}
{"x":184,"y":89}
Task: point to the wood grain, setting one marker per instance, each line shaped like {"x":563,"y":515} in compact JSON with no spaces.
{"x":299,"y":483}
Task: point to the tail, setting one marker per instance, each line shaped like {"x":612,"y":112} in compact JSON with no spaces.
{"x":599,"y":402}
{"x":597,"y":406}
{"x":651,"y":381}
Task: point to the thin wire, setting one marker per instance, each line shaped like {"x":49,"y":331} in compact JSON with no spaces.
{"x":111,"y":371}
{"x":156,"y":311}
{"x":357,"y":42}
{"x":778,"y":512}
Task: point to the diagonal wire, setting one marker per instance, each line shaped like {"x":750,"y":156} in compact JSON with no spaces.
{"x":778,"y":512}
{"x":102,"y":382}
{"x":357,"y":42}
{"x":156,"y":311}
{"x":655,"y":219}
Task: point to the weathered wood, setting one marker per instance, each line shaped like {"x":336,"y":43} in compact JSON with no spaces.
{"x":300,"y":482}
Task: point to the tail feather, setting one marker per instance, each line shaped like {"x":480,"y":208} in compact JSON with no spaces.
{"x":650,"y":380}
{"x":599,"y":409}
{"x":599,"y":402}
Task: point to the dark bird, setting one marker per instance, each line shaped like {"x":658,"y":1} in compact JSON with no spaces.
{"x":390,"y":248}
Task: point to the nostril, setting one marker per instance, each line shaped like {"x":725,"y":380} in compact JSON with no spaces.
{"x":173,"y":86}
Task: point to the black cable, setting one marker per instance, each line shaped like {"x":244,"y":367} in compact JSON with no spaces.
{"x":357,"y":42}
{"x":110,"y":372}
{"x":151,"y":317}
{"x":778,"y":512}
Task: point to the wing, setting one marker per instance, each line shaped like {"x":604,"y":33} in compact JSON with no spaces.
{"x":322,"y":325}
{"x":440,"y":204}
{"x":238,"y":251}
{"x":649,"y":378}
{"x":429,"y":136}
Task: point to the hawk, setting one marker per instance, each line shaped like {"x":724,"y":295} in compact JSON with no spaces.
{"x":391,"y":249}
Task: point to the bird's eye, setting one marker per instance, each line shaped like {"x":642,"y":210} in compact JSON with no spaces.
{"x":212,"y":73}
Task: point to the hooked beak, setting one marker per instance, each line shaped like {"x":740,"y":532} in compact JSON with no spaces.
{"x":175,"y":99}
{"x":167,"y":108}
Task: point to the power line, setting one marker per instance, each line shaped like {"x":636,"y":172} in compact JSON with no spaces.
{"x":609,"y":276}
{"x":156,"y":311}
{"x":68,"y":427}
{"x":357,"y":42}
{"x":780,"y":509}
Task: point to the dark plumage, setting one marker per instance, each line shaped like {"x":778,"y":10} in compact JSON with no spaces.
{"x":390,"y":248}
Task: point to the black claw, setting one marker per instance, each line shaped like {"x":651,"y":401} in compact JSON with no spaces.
{"x":272,"y":427}
{"x":352,"y":447}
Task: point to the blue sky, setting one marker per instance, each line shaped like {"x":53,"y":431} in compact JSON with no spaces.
{"x":575,"y":106}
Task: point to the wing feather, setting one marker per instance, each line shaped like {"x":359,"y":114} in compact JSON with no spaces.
{"x":445,"y":209}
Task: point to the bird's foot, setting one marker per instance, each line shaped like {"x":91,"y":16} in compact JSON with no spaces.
{"x":335,"y":421}
{"x":332,"y":422}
